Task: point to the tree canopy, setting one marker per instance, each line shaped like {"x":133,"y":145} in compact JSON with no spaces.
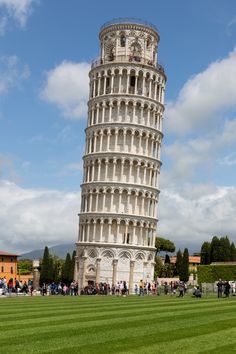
{"x":218,"y":250}
{"x":163,"y":244}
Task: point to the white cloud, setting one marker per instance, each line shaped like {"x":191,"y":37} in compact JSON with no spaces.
{"x":67,"y":86}
{"x":228,"y":160}
{"x":198,"y":213}
{"x":188,"y":156}
{"x":33,"y":218}
{"x":12,"y":73}
{"x":203,"y":98}
{"x":231,"y":24}
{"x":18,"y":10}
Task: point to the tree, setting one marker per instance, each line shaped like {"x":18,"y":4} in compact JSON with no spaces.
{"x":167,"y":259}
{"x":215,"y":249}
{"x":158,"y":267}
{"x":206,"y":253}
{"x":232,"y":252}
{"x":184,"y":273}
{"x":24,"y":266}
{"x":46,"y":273}
{"x":66,"y":270}
{"x":178,"y":264}
{"x":224,"y":252}
{"x":73,"y":264}
{"x":57,"y":267}
{"x":162,"y":244}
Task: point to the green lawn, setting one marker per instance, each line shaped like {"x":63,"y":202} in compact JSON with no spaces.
{"x":95,"y":324}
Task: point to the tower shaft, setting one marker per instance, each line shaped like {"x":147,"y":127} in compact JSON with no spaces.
{"x":120,"y":189}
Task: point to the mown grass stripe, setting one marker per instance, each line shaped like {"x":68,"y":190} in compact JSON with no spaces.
{"x":101,"y":316}
{"x":108,"y":322}
{"x":115,"y":343}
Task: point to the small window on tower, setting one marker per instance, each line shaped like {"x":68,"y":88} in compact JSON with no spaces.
{"x":2,"y":269}
{"x":148,"y":42}
{"x":122,"y":40}
{"x":127,"y":238}
{"x":11,"y":270}
{"x":132,"y":81}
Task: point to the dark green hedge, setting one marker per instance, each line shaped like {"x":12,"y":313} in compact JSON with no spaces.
{"x":212,"y":273}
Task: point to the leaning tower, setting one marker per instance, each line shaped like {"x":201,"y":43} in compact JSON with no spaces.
{"x":120,"y":189}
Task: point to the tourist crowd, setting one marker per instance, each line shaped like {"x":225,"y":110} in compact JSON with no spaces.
{"x":224,"y":288}
{"x":16,"y":286}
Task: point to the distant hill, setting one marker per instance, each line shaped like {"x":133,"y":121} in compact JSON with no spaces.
{"x":59,"y":251}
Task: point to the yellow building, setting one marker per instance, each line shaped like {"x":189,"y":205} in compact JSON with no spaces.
{"x":8,"y":265}
{"x":194,"y":261}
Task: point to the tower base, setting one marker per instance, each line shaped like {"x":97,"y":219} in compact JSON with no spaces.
{"x":111,"y":264}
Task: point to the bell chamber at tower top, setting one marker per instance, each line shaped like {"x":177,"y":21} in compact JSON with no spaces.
{"x":128,"y":41}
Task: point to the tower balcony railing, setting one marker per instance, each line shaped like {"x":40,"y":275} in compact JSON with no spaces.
{"x":126,"y":59}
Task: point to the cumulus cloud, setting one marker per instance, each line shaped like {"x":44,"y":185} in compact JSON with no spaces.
{"x":67,"y":86}
{"x":203,"y":98}
{"x":12,"y":73}
{"x":228,"y":160}
{"x":196,"y":214}
{"x":188,"y":159}
{"x":17,"y":10}
{"x":33,"y":218}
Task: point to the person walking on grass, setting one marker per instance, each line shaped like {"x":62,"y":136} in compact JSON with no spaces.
{"x":219,"y":288}
{"x":227,"y":289}
{"x":141,"y":290}
{"x":181,"y":289}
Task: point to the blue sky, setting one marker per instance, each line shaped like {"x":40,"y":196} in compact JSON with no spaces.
{"x":45,"y":52}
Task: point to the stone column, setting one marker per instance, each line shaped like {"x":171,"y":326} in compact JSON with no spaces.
{"x":98,"y":268}
{"x":119,"y":89}
{"x":143,"y":88}
{"x":131,"y":277}
{"x":110,"y":110}
{"x":105,"y":83}
{"x":112,"y":196}
{"x":109,"y":231}
{"x":106,"y":168}
{"x":127,"y":82}
{"x":84,"y":271}
{"x":101,"y":141}
{"x":94,"y":86}
{"x":99,"y":170}
{"x":36,"y":273}
{"x":112,"y":82}
{"x":150,"y":88}
{"x":99,"y":84}
{"x":134,"y":112}
{"x":101,"y":230}
{"x":136,"y":84}
{"x":94,"y":231}
{"x":148,"y":116}
{"x":114,"y":272}
{"x":145,"y":271}
{"x":108,"y":140}
{"x":97,"y":114}
{"x":155,"y":90}
{"x":76,"y":271}
{"x":116,"y":137}
{"x":103,"y":112}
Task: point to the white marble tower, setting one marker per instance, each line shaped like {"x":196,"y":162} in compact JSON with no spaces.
{"x":119,"y":193}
